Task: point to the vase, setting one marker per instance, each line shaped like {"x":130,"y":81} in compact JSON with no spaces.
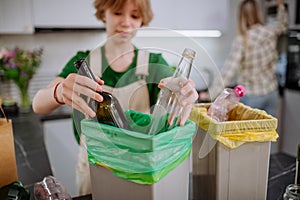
{"x":25,"y":103}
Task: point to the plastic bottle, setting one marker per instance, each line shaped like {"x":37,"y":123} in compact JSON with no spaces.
{"x":292,"y":192}
{"x":167,"y":110}
{"x":297,"y":174}
{"x":225,"y":102}
{"x":109,"y":111}
{"x":50,"y":189}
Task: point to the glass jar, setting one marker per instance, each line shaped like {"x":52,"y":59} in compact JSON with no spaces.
{"x":292,"y":192}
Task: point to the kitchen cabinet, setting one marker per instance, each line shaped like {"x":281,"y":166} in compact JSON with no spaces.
{"x":65,"y":14}
{"x":190,"y":14}
{"x":26,"y":16}
{"x":16,"y":17}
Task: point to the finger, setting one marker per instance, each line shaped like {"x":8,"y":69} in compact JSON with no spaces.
{"x":88,"y":113}
{"x":192,"y":83}
{"x":99,"y":81}
{"x":83,"y":85}
{"x":78,"y":103}
{"x":87,"y":82}
{"x":70,"y":90}
{"x":189,"y":99}
{"x":73,"y":79}
{"x":82,"y":104}
{"x":171,"y":119}
{"x":188,"y":86}
{"x":163,"y":82}
{"x":185,"y":115}
{"x":79,"y":89}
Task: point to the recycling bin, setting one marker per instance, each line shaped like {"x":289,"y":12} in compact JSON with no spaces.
{"x":131,"y":164}
{"x":231,"y":159}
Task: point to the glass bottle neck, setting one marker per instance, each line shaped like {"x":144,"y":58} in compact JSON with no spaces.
{"x":184,"y":67}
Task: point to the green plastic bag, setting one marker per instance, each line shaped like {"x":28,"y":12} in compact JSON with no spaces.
{"x":134,"y":155}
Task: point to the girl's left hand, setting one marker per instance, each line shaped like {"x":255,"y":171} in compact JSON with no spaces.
{"x":188,"y":93}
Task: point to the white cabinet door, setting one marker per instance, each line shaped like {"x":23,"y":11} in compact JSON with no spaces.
{"x":15,"y":16}
{"x":65,"y":14}
{"x":190,"y":14}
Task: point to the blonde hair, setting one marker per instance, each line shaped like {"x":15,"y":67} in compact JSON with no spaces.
{"x":143,"y":6}
{"x":249,"y":15}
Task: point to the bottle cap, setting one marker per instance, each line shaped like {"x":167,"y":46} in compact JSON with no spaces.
{"x":189,"y":53}
{"x":240,"y":90}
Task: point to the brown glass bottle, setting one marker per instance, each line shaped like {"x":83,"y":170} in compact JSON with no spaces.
{"x":109,"y":111}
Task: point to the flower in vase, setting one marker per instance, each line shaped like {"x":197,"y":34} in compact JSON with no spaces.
{"x":19,"y":65}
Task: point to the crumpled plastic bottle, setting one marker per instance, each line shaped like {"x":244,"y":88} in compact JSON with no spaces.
{"x":225,"y":102}
{"x":50,"y":189}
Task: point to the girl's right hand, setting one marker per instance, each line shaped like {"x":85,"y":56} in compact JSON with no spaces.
{"x":73,"y":85}
{"x":185,"y":88}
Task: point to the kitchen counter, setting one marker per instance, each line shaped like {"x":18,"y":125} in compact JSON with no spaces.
{"x":33,"y":162}
{"x":31,"y":155}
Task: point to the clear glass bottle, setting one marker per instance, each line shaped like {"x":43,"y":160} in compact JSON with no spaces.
{"x":109,"y":111}
{"x":292,"y":192}
{"x":167,"y":110}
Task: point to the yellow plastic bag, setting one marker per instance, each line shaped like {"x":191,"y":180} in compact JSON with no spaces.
{"x":245,"y":124}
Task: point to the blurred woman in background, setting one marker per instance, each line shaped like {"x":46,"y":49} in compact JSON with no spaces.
{"x":252,"y":59}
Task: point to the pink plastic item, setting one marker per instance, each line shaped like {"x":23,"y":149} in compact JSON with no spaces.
{"x":225,"y":102}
